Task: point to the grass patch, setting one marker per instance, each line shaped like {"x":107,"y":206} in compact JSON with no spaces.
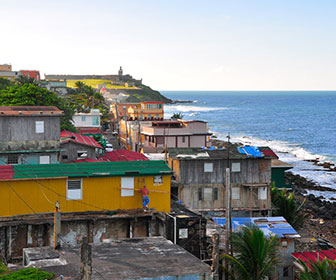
{"x":94,"y":82}
{"x":28,"y":273}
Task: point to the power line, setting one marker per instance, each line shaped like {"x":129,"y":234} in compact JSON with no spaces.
{"x":20,"y":197}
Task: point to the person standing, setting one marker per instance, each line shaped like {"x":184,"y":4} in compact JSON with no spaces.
{"x":145,"y":199}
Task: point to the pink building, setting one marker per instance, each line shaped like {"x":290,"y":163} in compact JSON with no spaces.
{"x":176,"y":134}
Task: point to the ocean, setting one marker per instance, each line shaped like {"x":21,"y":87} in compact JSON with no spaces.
{"x":298,"y":125}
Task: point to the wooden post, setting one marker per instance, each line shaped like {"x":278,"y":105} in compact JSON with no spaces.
{"x":215,"y":256}
{"x":251,"y":200}
{"x":228,"y":215}
{"x":57,"y":225}
{"x":86,"y":260}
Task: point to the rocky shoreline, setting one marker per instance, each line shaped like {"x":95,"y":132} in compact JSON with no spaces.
{"x":321,"y":214}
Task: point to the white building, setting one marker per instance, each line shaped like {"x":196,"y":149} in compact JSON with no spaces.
{"x":92,"y":119}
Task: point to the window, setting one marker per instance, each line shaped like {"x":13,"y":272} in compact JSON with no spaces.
{"x":64,"y":156}
{"x":262,"y":193}
{"x":141,"y":116}
{"x":207,"y":193}
{"x":215,"y":193}
{"x":235,"y":167}
{"x":157,"y":180}
{"x":44,"y":159}
{"x":183,"y":141}
{"x":39,"y":126}
{"x":208,"y":167}
{"x":200,"y":194}
{"x":127,"y":186}
{"x":157,"y":116}
{"x":95,"y":120}
{"x":13,"y":159}
{"x":284,"y":244}
{"x":149,"y":106}
{"x":285,"y":271}
{"x":235,"y":193}
{"x":74,"y":189}
{"x":183,"y":233}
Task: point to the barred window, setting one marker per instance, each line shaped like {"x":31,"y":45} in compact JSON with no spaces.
{"x":13,"y":159}
{"x":74,"y":189}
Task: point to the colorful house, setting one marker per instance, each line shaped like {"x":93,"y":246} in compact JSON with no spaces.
{"x":81,"y":187}
{"x":87,"y":120}
{"x":35,"y":74}
{"x":147,"y":110}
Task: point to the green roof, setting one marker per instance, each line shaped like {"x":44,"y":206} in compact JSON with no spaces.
{"x":95,"y":169}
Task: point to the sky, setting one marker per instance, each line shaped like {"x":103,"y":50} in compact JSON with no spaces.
{"x":177,"y":44}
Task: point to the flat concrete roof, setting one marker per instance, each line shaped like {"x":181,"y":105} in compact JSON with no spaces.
{"x":136,"y":258}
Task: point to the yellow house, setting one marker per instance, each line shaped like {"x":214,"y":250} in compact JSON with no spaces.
{"x":147,"y":110}
{"x":80,"y":187}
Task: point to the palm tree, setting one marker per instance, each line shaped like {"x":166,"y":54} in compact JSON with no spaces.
{"x":21,"y":80}
{"x":176,"y":116}
{"x":286,"y":206}
{"x":255,"y":256}
{"x":321,"y":270}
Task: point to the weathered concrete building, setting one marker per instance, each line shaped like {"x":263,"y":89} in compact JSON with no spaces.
{"x":200,"y":180}
{"x":139,"y":258}
{"x":29,"y":134}
{"x":87,"y":120}
{"x":77,"y":146}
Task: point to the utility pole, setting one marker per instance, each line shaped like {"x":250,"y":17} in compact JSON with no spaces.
{"x":228,"y":225}
{"x":57,"y":225}
{"x":215,"y":256}
{"x":86,"y":260}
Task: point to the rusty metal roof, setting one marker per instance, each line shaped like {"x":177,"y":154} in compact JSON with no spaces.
{"x":30,"y":111}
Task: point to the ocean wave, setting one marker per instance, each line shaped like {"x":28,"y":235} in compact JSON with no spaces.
{"x":186,"y":108}
{"x":278,"y":146}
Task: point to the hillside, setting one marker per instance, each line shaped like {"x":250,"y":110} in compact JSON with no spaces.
{"x":136,"y":93}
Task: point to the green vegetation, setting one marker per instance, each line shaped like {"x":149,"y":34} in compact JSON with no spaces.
{"x":255,"y":256}
{"x":3,"y":268}
{"x":28,"y":273}
{"x":83,"y":98}
{"x":146,"y":94}
{"x":321,"y":270}
{"x":177,"y":116}
{"x":29,"y":94}
{"x":95,"y":82}
{"x":286,"y":206}
{"x":4,"y":83}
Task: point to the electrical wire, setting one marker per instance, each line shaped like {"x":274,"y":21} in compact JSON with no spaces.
{"x":20,"y":197}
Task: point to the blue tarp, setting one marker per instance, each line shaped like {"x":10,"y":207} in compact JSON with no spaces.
{"x":269,"y":225}
{"x":250,"y":151}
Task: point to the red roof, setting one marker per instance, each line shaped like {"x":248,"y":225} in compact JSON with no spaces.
{"x":6,"y":172}
{"x":90,"y":130}
{"x":67,"y":136}
{"x":267,"y":151}
{"x":122,"y":155}
{"x":308,"y":257}
{"x":152,"y":102}
{"x":84,"y":160}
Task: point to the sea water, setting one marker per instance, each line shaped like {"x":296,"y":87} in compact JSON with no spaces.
{"x":298,"y":125}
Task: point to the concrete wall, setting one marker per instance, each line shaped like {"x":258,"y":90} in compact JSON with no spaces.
{"x":71,"y":151}
{"x":18,"y":133}
{"x":30,"y":158}
{"x":15,"y":236}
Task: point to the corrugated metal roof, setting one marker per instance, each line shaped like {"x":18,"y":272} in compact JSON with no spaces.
{"x":90,"y":130}
{"x":67,"y":136}
{"x":267,"y":151}
{"x":122,"y":155}
{"x":95,"y":169}
{"x":201,"y":153}
{"x":280,"y":164}
{"x":308,"y":257}
{"x":269,"y":225}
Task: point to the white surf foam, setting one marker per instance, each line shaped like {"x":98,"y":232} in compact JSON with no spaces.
{"x":191,"y":108}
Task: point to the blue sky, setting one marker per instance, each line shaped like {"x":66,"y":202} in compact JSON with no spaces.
{"x":181,"y":45}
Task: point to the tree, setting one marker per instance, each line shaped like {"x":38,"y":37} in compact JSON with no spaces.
{"x":22,"y":80}
{"x":285,"y":205}
{"x":176,"y":116}
{"x":4,"y":83}
{"x":32,"y":95}
{"x":255,"y":256}
{"x":321,"y":270}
